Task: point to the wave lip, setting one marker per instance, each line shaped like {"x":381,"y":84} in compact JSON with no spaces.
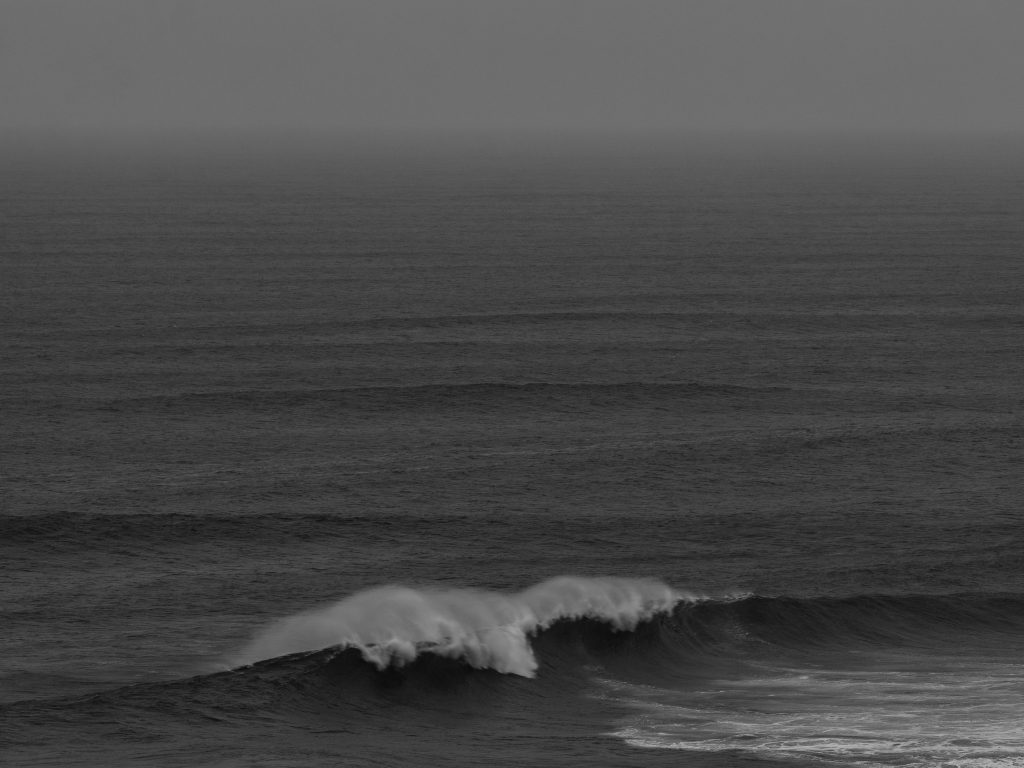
{"x":393,"y":625}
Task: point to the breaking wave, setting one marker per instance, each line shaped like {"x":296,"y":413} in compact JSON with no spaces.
{"x":393,"y":625}
{"x":655,"y":666}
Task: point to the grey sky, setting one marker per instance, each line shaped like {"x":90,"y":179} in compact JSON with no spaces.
{"x":517,"y":65}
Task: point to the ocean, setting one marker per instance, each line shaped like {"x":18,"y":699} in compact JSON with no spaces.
{"x":705,"y":455}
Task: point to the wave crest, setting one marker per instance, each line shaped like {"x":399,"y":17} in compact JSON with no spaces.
{"x":393,"y":625}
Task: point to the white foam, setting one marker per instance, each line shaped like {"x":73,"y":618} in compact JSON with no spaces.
{"x":391,"y":625}
{"x":963,"y":715}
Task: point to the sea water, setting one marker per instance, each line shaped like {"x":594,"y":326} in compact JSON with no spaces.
{"x":674,"y":455}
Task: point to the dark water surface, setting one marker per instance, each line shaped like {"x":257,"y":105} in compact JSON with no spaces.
{"x":763,"y":405}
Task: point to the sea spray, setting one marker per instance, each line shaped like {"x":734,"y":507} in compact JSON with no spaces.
{"x":392,"y":625}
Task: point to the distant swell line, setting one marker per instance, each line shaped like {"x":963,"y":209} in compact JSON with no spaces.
{"x":694,"y":318}
{"x":482,"y":319}
{"x":451,"y":395}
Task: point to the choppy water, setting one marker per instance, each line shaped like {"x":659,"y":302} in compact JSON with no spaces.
{"x":693,"y":458}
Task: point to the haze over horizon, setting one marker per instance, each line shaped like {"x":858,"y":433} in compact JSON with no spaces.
{"x":453,"y":67}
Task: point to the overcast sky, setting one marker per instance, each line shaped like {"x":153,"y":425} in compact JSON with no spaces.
{"x":515,"y":65}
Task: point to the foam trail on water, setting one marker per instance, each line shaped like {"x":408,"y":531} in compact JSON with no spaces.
{"x":392,"y":625}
